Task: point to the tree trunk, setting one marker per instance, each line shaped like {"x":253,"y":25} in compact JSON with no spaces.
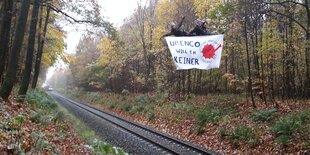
{"x":5,"y":34}
{"x":39,"y":53}
{"x":189,"y":82}
{"x":307,"y":51}
{"x":226,"y":71}
{"x":31,"y":42}
{"x":307,"y":55}
{"x":289,"y":63}
{"x":263,"y":80}
{"x":10,"y":76}
{"x":248,"y":62}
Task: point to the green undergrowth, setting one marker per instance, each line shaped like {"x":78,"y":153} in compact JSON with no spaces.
{"x":48,"y":110}
{"x":293,"y":126}
{"x":86,"y":134}
{"x":39,"y":99}
{"x":205,"y":116}
{"x":112,"y":104}
{"x":42,"y":111}
{"x":213,"y":113}
{"x":264,"y":115}
{"x":239,"y":135}
{"x":220,"y":111}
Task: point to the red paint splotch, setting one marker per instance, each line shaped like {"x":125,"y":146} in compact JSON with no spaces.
{"x":209,"y":50}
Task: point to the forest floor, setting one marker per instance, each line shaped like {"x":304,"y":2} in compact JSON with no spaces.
{"x":39,"y":126}
{"x":224,"y":123}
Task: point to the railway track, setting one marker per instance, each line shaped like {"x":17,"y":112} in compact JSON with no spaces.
{"x":167,"y":143}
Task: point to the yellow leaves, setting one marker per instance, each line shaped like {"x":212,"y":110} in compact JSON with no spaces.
{"x":204,"y":6}
{"x":158,"y":32}
{"x":54,"y":46}
{"x":71,"y":58}
{"x":165,"y":11}
{"x":271,"y":42}
{"x":110,"y":53}
{"x":201,"y":8}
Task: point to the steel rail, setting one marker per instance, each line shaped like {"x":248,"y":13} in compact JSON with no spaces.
{"x":99,"y":112}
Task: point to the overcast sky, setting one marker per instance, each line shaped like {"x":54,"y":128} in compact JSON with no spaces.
{"x":115,"y":11}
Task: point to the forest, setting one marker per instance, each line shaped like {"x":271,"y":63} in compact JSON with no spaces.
{"x":266,"y":52}
{"x":262,"y":85}
{"x":265,"y":55}
{"x":32,"y":39}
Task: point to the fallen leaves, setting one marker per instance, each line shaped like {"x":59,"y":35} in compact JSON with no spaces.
{"x":184,"y":128}
{"x":17,"y":131}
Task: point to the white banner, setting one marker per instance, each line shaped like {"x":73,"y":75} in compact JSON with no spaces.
{"x":201,"y":52}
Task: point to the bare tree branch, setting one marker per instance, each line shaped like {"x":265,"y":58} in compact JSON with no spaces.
{"x":70,"y":17}
{"x":284,"y":2}
{"x":294,"y":20}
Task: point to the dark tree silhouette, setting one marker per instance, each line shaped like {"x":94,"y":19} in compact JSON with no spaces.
{"x":10,"y":76}
{"x":31,"y":41}
{"x":5,"y":34}
{"x":40,"y":52}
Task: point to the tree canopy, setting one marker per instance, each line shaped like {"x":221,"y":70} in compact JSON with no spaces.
{"x":266,"y":50}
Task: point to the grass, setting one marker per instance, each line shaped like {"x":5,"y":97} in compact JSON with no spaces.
{"x":88,"y":135}
{"x":81,"y":129}
{"x":53,"y":113}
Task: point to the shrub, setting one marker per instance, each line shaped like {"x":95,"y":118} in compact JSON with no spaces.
{"x":40,"y":99}
{"x":126,"y":107}
{"x":222,"y":132}
{"x":284,"y":139}
{"x":136,"y":109}
{"x":17,"y":122}
{"x":241,"y":134}
{"x":205,"y":116}
{"x":290,"y":126}
{"x":264,"y":115}
{"x":36,"y":116}
{"x":41,"y":144}
{"x":149,"y":108}
{"x":112,"y":105}
{"x":143,"y":99}
{"x":59,"y":116}
{"x":140,"y":108}
{"x":100,"y":147}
